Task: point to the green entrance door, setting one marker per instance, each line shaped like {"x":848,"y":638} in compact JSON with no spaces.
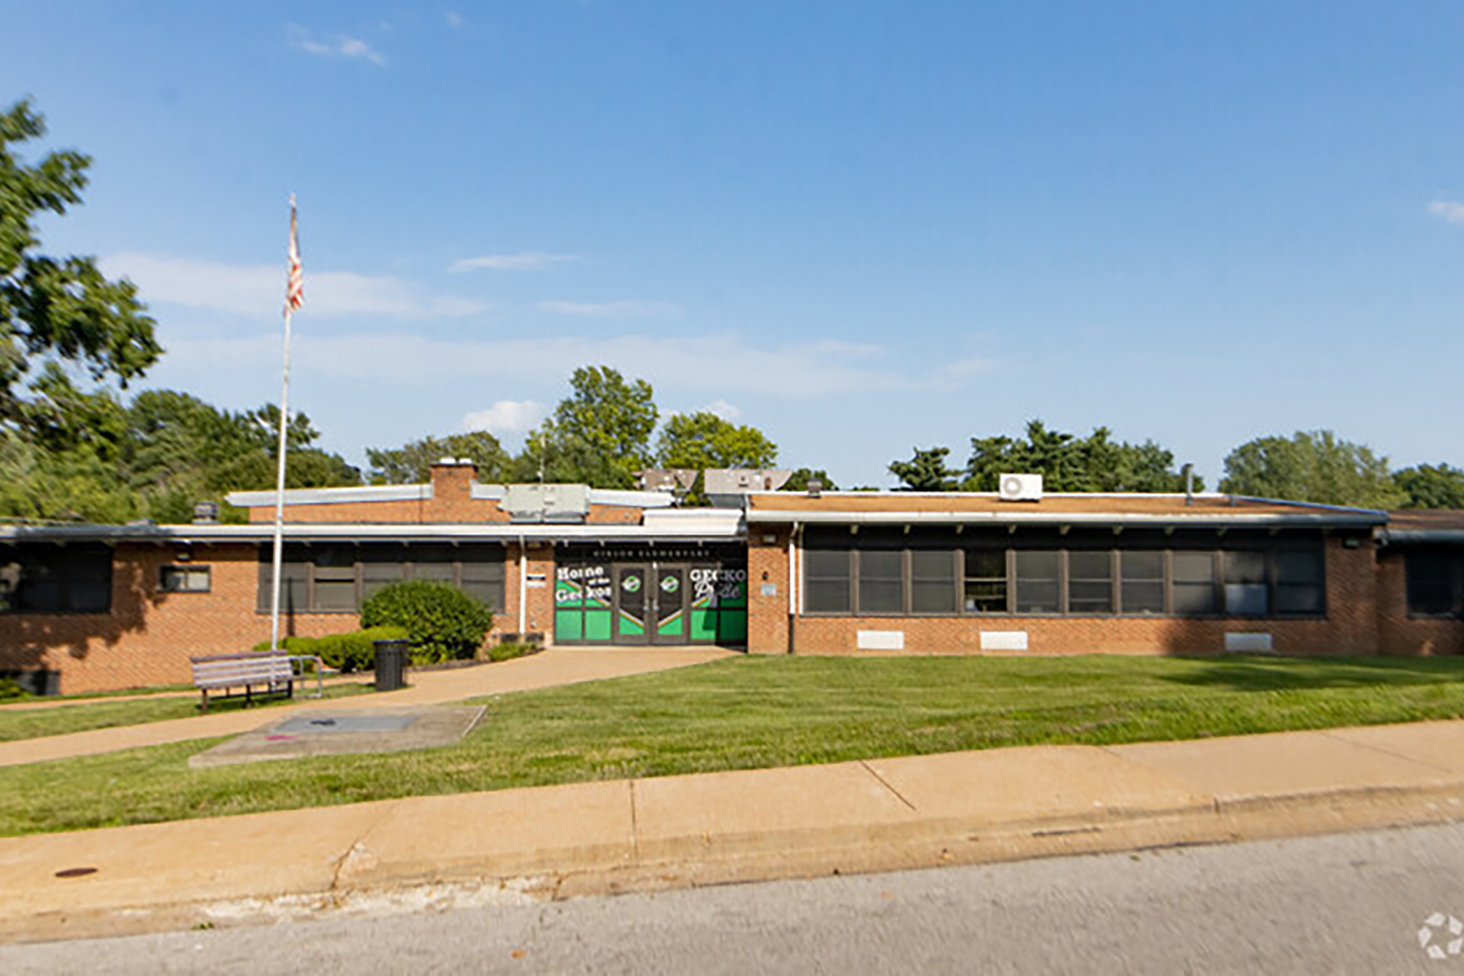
{"x":670,"y":612}
{"x":633,"y":604}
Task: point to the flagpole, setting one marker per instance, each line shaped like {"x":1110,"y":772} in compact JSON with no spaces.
{"x":293,"y":296}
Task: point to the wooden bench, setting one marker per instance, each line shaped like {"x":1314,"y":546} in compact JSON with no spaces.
{"x":273,"y":672}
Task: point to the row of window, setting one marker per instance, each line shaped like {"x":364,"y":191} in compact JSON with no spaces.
{"x":339,"y":578}
{"x":896,"y":582}
{"x":74,"y":578}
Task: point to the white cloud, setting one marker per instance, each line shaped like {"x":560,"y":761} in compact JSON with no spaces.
{"x":504,"y":417}
{"x":336,"y":46}
{"x":694,"y":364}
{"x":454,"y":19}
{"x":722,"y":409}
{"x":258,"y":291}
{"x":525,"y":261}
{"x":612,"y":310}
{"x":963,"y":368}
{"x":1450,"y":210}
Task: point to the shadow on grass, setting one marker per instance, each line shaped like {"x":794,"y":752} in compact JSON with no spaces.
{"x":1251,"y":673}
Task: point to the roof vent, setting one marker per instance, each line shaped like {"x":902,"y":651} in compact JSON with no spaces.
{"x":1020,"y":487}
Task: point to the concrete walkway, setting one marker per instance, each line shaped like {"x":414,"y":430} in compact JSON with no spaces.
{"x":544,"y":670}
{"x":646,"y":834}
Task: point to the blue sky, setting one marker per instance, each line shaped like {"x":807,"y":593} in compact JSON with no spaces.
{"x":862,"y":227}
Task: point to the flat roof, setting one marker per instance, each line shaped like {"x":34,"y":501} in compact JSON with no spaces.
{"x":1438,"y":525}
{"x":976,"y":507}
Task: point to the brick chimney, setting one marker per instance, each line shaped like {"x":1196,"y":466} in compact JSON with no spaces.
{"x":452,"y":480}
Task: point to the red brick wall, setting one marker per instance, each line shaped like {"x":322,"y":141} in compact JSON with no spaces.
{"x":1350,"y":627}
{"x":1398,"y":632}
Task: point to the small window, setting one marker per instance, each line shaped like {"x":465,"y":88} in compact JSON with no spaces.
{"x":1142,"y":589}
{"x":881,"y":581}
{"x":1246,"y":591}
{"x":1299,"y":581}
{"x":1090,"y":582}
{"x":185,"y":579}
{"x":826,"y":577}
{"x":1038,"y":580}
{"x":1194,"y":582}
{"x":986,"y":581}
{"x":932,"y":581}
{"x":1433,"y":583}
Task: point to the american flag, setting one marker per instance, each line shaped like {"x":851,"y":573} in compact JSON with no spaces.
{"x":295,"y":289}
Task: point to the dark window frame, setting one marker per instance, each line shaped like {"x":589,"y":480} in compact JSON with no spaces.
{"x":75,"y":569}
{"x":303,"y":569}
{"x":184,"y":571}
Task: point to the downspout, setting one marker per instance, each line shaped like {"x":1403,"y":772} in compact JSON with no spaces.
{"x":523,"y":613}
{"x":792,"y":586}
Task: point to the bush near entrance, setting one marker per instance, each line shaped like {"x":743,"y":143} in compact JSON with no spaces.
{"x":442,"y":622}
{"x":343,"y":652}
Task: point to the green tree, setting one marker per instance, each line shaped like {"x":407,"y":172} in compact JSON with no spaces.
{"x":599,"y":435}
{"x":411,"y":463}
{"x":703,"y":440}
{"x":799,"y":479}
{"x":1067,"y":463}
{"x":926,"y":471}
{"x":1431,"y":486}
{"x":1312,"y":466}
{"x":56,"y":309}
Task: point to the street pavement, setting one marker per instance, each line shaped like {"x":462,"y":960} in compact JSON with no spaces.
{"x":667,"y":833}
{"x":1350,"y":903}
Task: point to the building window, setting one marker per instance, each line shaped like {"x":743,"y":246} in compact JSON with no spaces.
{"x":1246,"y":591}
{"x":185,"y":579}
{"x":1299,"y":581}
{"x":338,"y":578}
{"x":826,"y":575}
{"x":1142,"y":587}
{"x":1434,"y":583}
{"x":1090,"y":582}
{"x":1038,"y":581}
{"x":881,"y":582}
{"x":75,"y":578}
{"x":932,"y":581}
{"x":986,"y":581}
{"x":1194,"y":583}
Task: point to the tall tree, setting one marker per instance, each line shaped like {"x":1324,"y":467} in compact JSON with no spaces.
{"x":56,"y":309}
{"x":1067,"y":463}
{"x":926,"y":471}
{"x":1312,"y":466}
{"x":703,"y":440}
{"x":411,"y":463}
{"x":599,"y":435}
{"x":1431,"y":486}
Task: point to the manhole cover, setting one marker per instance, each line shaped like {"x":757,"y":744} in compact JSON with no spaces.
{"x":308,"y":725}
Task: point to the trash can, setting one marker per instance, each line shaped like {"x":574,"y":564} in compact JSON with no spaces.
{"x":391,"y":661}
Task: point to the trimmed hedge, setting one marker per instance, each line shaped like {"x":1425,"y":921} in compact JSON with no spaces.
{"x":442,"y":622}
{"x":343,"y":652}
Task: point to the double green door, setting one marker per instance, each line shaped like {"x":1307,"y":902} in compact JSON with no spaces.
{"x":650,"y":604}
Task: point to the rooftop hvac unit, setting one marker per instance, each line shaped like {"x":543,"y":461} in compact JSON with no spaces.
{"x":1020,"y":487}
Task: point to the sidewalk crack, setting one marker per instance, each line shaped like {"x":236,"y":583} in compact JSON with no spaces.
{"x":1385,"y":752}
{"x":634,"y":825}
{"x":882,"y":782}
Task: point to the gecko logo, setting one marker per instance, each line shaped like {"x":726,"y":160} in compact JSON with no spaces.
{"x":1441,"y":936}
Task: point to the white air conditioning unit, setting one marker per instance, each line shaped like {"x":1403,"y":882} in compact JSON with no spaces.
{"x":1020,"y":487}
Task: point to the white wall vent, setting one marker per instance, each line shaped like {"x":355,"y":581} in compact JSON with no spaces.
{"x":1003,"y":640}
{"x":880,"y":640}
{"x":1020,"y":487}
{"x":1250,"y":643}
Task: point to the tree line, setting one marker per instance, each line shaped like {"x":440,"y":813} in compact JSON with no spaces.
{"x":74,"y":452}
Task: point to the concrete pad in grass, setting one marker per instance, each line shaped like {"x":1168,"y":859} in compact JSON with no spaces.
{"x":338,"y":732}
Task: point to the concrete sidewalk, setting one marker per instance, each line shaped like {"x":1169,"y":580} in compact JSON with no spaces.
{"x":645,"y":834}
{"x":546,"y":669}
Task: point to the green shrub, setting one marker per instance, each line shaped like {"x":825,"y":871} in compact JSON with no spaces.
{"x":345,"y":653}
{"x":507,"y":651}
{"x":442,"y":622}
{"x":11,"y":689}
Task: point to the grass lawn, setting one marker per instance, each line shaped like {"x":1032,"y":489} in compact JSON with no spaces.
{"x":744,"y":713}
{"x":33,"y":723}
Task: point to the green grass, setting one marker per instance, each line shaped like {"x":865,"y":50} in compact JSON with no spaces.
{"x":745,"y":713}
{"x":34,"y":723}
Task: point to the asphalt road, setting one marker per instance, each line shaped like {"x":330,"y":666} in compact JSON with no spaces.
{"x":1351,"y":903}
